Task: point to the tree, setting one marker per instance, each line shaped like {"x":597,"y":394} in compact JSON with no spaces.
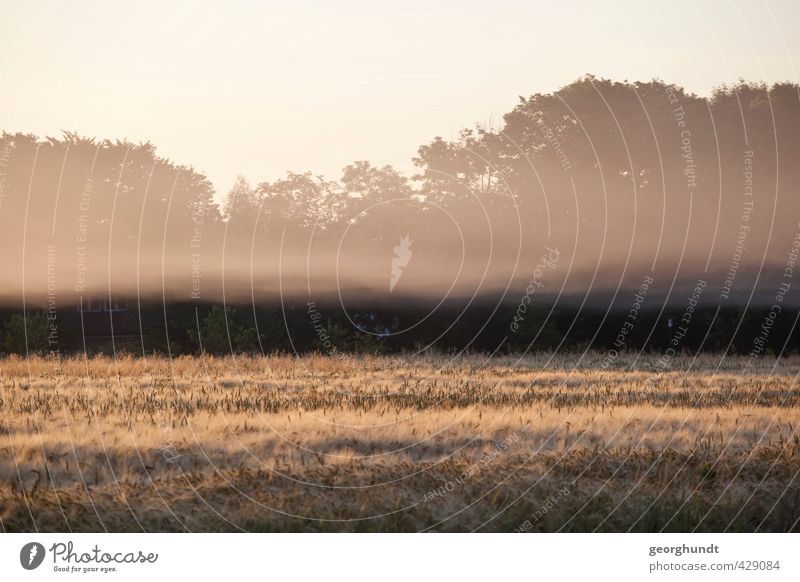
{"x":296,"y":202}
{"x":241,"y":208}
{"x":218,"y":330}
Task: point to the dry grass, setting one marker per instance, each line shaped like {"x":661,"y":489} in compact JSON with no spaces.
{"x":394,"y":444}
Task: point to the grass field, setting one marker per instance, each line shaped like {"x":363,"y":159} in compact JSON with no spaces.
{"x":399,"y":444}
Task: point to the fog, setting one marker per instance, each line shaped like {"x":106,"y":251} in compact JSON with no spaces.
{"x":611,"y":182}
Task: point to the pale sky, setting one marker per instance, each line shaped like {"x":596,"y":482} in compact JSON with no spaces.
{"x":261,"y":88}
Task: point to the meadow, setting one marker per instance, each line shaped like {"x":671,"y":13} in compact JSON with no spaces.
{"x":378,"y":443}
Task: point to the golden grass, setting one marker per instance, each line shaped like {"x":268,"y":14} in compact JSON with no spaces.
{"x":397,"y":444}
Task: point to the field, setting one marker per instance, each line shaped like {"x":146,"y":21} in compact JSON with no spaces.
{"x":438,"y":443}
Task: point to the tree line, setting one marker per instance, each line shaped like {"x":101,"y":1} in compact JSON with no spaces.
{"x":625,"y":178}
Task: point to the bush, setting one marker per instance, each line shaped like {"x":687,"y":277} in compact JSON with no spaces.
{"x":34,"y":326}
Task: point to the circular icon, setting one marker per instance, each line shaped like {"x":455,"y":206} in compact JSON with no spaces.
{"x":31,"y":555}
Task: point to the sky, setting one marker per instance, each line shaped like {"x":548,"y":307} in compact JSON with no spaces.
{"x":261,"y":88}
